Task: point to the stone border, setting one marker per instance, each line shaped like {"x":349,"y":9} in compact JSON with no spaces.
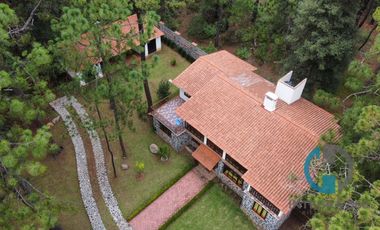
{"x":101,"y":171}
{"x":82,"y":167}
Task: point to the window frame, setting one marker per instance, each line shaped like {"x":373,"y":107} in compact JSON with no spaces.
{"x":194,"y":132}
{"x":259,"y":210}
{"x":214,"y":147}
{"x":233,"y":176}
{"x":269,"y":205}
{"x":235,"y":164}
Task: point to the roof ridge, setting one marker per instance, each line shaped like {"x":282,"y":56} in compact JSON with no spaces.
{"x":250,"y":95}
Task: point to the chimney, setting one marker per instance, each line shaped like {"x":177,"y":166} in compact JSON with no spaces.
{"x":270,"y":101}
{"x":286,"y":91}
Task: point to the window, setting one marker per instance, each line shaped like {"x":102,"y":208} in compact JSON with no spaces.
{"x":233,"y":176}
{"x":165,"y":130}
{"x":193,"y":145}
{"x":235,"y":164}
{"x":195,"y":132}
{"x":214,"y":147}
{"x":259,"y":210}
{"x":186,"y":94}
{"x":265,"y":201}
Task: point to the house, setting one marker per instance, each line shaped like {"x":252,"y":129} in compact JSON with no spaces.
{"x":254,"y":134}
{"x":128,"y":26}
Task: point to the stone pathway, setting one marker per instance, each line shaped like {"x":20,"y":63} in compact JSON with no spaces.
{"x":83,"y":176}
{"x":171,"y":201}
{"x":101,"y":172}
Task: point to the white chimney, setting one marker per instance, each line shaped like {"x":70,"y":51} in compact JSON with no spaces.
{"x":270,"y":101}
{"x":288,"y":93}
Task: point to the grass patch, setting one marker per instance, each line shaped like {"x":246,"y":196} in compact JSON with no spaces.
{"x":164,"y":70}
{"x":211,"y":209}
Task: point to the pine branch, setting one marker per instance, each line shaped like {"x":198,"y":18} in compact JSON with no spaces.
{"x":15,"y":32}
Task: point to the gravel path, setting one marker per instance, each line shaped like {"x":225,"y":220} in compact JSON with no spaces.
{"x":171,"y":201}
{"x":83,"y":176}
{"x":101,"y":171}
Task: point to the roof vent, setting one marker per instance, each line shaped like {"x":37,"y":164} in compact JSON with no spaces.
{"x":270,"y":101}
{"x":286,"y":90}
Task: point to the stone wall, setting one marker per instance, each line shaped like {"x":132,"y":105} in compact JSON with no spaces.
{"x":177,"y":142}
{"x":270,"y":223}
{"x":189,"y":48}
{"x":227,"y":181}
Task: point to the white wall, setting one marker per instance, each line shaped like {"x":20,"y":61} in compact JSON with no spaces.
{"x":158,"y":43}
{"x":146,"y":50}
{"x":182,"y":95}
{"x":288,"y":93}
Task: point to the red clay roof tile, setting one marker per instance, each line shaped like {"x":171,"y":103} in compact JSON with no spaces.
{"x":226,"y":106}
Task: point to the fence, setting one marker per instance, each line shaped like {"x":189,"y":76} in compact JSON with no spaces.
{"x":189,"y":49}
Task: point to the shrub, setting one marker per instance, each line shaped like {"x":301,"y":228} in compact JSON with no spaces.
{"x":173,"y":62}
{"x":196,"y":26}
{"x":54,"y":149}
{"x":209,"y":30}
{"x":89,"y":74}
{"x":243,"y":52}
{"x":199,"y":28}
{"x":140,"y":167}
{"x":163,"y":89}
{"x":164,"y":151}
{"x":210,"y":48}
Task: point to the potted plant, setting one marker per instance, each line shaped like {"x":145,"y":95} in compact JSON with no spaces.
{"x":140,"y":167}
{"x":164,"y":153}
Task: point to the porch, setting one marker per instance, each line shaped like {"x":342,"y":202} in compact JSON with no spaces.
{"x":168,"y":125}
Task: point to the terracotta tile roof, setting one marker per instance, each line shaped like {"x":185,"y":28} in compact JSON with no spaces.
{"x":206,"y":157}
{"x":227,"y":108}
{"x":130,"y":25}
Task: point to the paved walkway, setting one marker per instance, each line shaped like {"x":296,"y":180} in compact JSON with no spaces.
{"x":171,"y":201}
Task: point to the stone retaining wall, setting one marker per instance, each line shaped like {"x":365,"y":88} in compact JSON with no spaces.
{"x":188,"y":47}
{"x":177,"y":142}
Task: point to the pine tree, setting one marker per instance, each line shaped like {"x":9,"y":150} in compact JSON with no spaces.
{"x":24,"y":98}
{"x":121,"y":82}
{"x":321,"y":41}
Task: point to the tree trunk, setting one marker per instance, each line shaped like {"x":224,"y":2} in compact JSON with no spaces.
{"x":116,"y":117}
{"x":107,"y":140}
{"x":368,"y":37}
{"x":115,"y":112}
{"x":367,"y":11}
{"x":143,"y":59}
{"x":255,"y":11}
{"x":218,"y":25}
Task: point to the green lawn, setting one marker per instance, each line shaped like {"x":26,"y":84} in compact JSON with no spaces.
{"x":132,"y":194}
{"x":164,"y":70}
{"x":213,"y":209}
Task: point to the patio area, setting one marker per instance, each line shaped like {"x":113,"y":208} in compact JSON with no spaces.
{"x":168,"y":125}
